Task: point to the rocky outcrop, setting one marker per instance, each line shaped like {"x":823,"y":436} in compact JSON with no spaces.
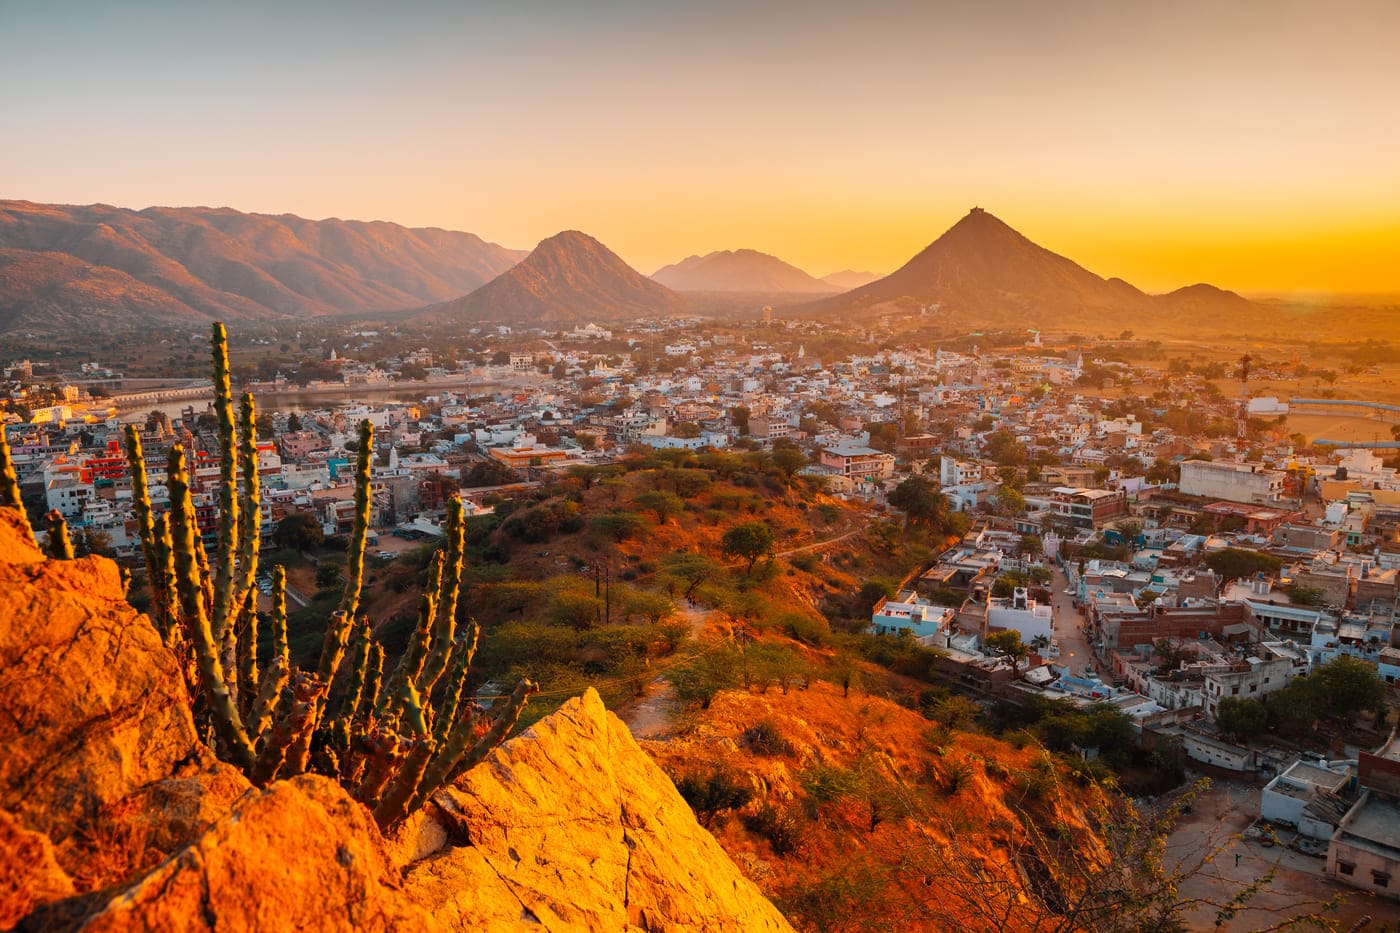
{"x":300,"y":855}
{"x":93,"y":708}
{"x":572,"y":826}
{"x":115,"y":817}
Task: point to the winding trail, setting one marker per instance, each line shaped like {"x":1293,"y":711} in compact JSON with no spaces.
{"x":649,"y":716}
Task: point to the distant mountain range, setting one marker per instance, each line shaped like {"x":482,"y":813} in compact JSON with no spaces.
{"x":985,"y":273}
{"x":101,"y":266}
{"x":569,"y":277}
{"x":107,"y":267}
{"x":739,"y":270}
{"x":847,"y":279}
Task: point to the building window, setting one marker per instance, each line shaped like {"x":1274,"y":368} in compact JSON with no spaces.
{"x":1380,"y":879}
{"x":1345,"y":868}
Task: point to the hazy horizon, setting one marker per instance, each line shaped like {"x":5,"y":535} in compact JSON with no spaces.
{"x":1250,"y":147}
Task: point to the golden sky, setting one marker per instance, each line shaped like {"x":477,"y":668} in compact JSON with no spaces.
{"x":1255,"y":145}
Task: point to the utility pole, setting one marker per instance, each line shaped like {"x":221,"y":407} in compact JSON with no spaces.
{"x":1244,"y":406}
{"x":607,"y":594}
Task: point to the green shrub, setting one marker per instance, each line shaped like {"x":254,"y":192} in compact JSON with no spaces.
{"x":763,"y":738}
{"x":713,"y":794}
{"x":782,"y":828}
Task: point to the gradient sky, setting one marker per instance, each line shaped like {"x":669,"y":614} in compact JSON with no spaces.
{"x":1255,"y":145}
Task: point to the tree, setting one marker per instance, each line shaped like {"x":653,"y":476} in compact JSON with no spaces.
{"x":91,"y":542}
{"x":883,"y":435}
{"x":689,"y":569}
{"x":559,"y":371}
{"x":1241,"y":718}
{"x":739,"y":417}
{"x":327,"y":573}
{"x":1030,"y":545}
{"x":293,"y":422}
{"x":748,"y":541}
{"x":1011,"y":499}
{"x":1236,"y":563}
{"x":1347,"y":686}
{"x":788,"y":459}
{"x":300,"y":531}
{"x":921,"y":502}
{"x":618,"y":525}
{"x":1009,"y":645}
{"x":685,"y":429}
{"x":664,"y":504}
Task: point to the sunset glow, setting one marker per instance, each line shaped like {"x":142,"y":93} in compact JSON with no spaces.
{"x":1256,"y":146}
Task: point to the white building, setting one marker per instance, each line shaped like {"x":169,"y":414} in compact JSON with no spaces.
{"x":1306,"y":796}
{"x":1020,"y":614}
{"x":908,"y":612}
{"x":1249,"y":483}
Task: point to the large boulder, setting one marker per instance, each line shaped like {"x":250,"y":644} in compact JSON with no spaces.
{"x":571,"y":826}
{"x":30,"y":875}
{"x":300,"y":855}
{"x":94,"y":705}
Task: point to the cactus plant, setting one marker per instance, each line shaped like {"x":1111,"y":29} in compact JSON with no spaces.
{"x":9,"y":485}
{"x":387,"y":740}
{"x":60,"y":545}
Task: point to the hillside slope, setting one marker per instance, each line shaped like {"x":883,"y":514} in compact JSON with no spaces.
{"x":570,"y":277}
{"x":110,"y":266}
{"x":738,"y":270}
{"x":983,"y":272}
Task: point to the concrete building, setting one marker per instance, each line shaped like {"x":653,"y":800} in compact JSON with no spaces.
{"x":908,"y":612}
{"x":857,"y":462}
{"x":1088,"y":508}
{"x":1309,"y":797}
{"x":1020,"y":614}
{"x":1365,"y":849}
{"x":1233,"y":482}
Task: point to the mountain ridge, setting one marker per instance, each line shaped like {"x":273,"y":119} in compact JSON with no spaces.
{"x":569,"y":277}
{"x":983,"y":271}
{"x":76,"y":264}
{"x":738,"y":270}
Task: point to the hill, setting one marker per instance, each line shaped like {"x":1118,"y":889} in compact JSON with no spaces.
{"x":570,"y":277}
{"x":847,"y":279}
{"x":98,"y":265}
{"x":983,"y":272}
{"x":738,"y":270}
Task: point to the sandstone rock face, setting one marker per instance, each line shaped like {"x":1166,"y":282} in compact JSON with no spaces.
{"x":571,"y":826}
{"x":93,"y":705}
{"x":301,"y":855}
{"x":29,"y":872}
{"x":115,"y":817}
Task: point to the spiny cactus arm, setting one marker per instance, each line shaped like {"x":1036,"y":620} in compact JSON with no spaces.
{"x":268,"y":696}
{"x":458,"y":754}
{"x":373,"y":680}
{"x":185,"y":544}
{"x":226,"y":559}
{"x":145,"y":524}
{"x":162,"y":574}
{"x":355,"y":553}
{"x":393,"y":805}
{"x":333,"y":645}
{"x":411,"y":663}
{"x":9,"y":485}
{"x":456,"y":682}
{"x":248,"y":675}
{"x":60,"y":546}
{"x":279,"y":617}
{"x":249,"y":503}
{"x":448,"y":589}
{"x":413,"y":713}
{"x":383,"y":755}
{"x":289,"y":731}
{"x":359,"y":667}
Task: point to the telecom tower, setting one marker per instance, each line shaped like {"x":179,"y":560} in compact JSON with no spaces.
{"x":1243,"y":415}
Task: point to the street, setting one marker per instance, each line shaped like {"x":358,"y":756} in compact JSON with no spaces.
{"x":1067,"y":624}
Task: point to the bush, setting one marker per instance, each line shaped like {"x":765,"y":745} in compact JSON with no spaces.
{"x":713,"y":794}
{"x":806,"y":561}
{"x":805,"y":629}
{"x":825,"y":783}
{"x":763,"y":738}
{"x":781,"y":828}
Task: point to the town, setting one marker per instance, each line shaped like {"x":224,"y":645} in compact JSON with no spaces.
{"x":1167,"y":548}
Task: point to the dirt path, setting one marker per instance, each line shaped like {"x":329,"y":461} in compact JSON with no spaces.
{"x":649,"y":717}
{"x":818,"y":544}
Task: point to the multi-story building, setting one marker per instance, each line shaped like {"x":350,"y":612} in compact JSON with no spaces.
{"x":1088,"y":508}
{"x":1233,"y":482}
{"x":857,"y":462}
